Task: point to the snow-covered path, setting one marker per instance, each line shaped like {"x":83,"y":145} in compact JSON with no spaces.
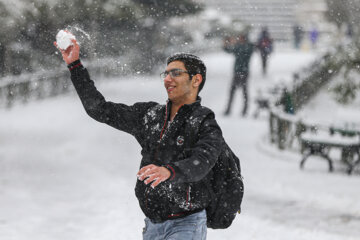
{"x":65,"y":176}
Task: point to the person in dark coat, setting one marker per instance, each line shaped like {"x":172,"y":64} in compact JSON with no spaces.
{"x":298,"y":35}
{"x":265,"y":46}
{"x":173,"y":180}
{"x":242,"y":49}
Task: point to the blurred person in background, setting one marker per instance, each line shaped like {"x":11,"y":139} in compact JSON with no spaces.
{"x":265,"y":46}
{"x":314,"y":35}
{"x":242,"y":49}
{"x":298,"y":35}
{"x":349,"y":30}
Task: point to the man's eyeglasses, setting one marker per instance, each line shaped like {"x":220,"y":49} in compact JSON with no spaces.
{"x":173,"y":73}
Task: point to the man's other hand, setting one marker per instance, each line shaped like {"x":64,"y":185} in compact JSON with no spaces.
{"x":153,"y":173}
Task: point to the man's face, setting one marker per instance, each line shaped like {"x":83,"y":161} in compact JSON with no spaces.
{"x":179,"y":87}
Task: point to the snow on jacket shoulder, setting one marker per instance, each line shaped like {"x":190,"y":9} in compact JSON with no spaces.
{"x":164,"y":144}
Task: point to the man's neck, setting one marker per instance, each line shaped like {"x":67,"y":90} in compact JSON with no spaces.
{"x":175,"y":106}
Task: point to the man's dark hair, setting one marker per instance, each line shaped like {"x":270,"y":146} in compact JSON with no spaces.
{"x":192,"y":63}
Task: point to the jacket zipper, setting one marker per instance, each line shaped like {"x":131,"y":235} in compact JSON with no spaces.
{"x":188,"y":192}
{"x":164,"y":126}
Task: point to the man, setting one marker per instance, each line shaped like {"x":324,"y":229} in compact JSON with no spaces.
{"x":173,"y":186}
{"x":242,"y":49}
{"x":298,"y":35}
{"x":265,"y":46}
{"x":314,"y":35}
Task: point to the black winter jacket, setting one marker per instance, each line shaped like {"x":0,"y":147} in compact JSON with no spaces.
{"x":242,"y":52}
{"x":171,"y":145}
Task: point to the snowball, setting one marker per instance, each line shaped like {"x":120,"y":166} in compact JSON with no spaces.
{"x":63,"y":39}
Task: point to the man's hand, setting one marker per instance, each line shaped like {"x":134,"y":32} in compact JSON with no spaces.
{"x":153,"y":173}
{"x":71,"y":54}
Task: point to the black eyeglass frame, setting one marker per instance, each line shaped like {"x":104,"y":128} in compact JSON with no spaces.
{"x":172,"y":72}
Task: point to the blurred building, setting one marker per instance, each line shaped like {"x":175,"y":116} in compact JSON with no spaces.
{"x":311,"y":13}
{"x":278,"y":15}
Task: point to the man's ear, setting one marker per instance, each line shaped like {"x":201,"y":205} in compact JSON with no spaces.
{"x":197,"y":79}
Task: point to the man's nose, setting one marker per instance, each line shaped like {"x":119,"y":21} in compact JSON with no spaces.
{"x":167,"y":78}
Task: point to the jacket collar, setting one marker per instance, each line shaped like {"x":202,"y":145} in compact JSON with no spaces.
{"x":185,"y":107}
{"x":191,"y":105}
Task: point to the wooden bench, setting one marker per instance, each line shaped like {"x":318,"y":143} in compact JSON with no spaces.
{"x":320,"y":145}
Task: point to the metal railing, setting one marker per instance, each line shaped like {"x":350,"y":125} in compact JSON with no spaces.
{"x":284,"y":127}
{"x":49,"y":83}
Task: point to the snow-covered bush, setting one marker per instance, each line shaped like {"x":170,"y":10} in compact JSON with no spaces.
{"x":345,"y":14}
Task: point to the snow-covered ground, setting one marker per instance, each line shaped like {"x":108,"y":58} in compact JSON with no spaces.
{"x":65,"y":176}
